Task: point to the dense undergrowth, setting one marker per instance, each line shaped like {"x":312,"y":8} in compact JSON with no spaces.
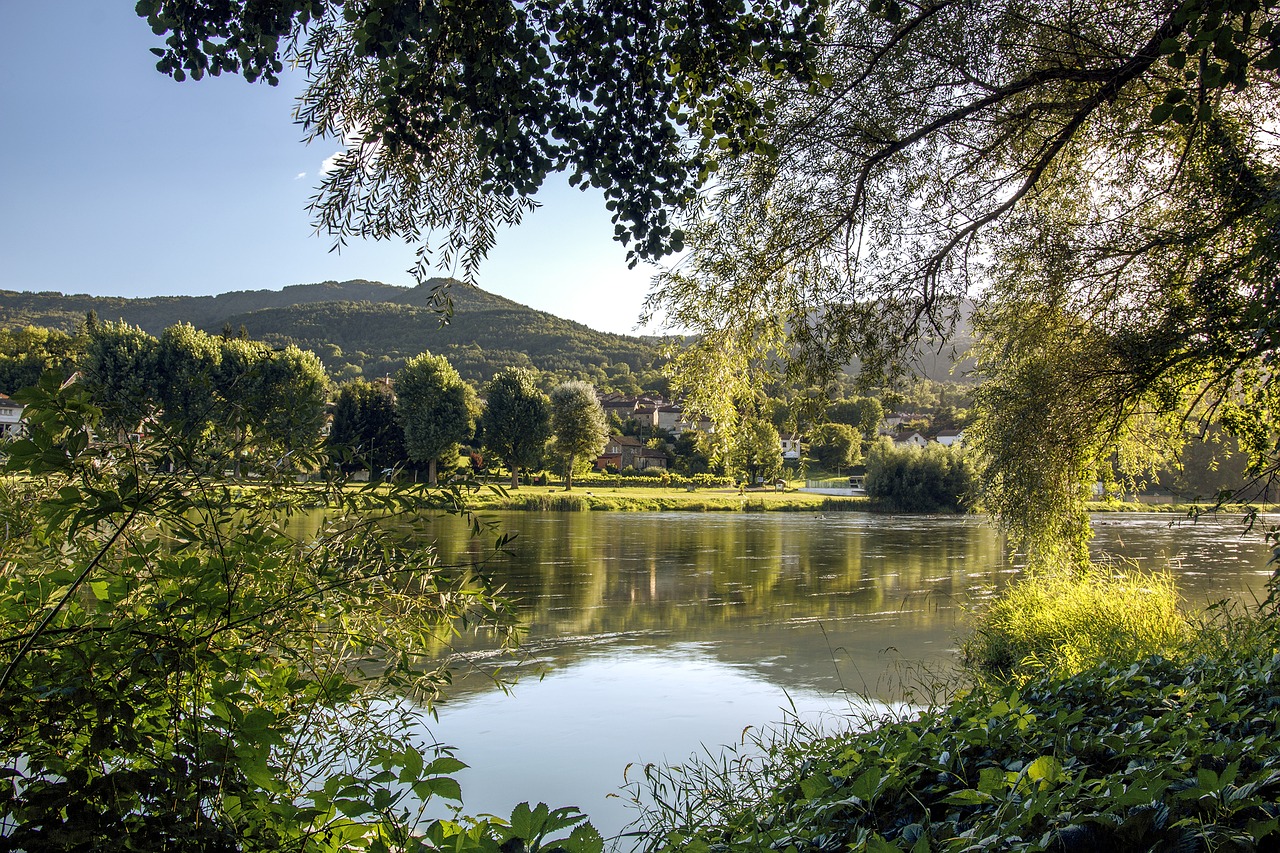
{"x":1169,"y":752}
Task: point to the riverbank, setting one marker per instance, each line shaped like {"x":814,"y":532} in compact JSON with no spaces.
{"x":627,"y":498}
{"x":650,"y":499}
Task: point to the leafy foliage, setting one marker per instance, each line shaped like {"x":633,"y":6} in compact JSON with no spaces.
{"x":835,"y":446}
{"x":1151,"y":755}
{"x":1064,"y":622}
{"x":454,"y":114}
{"x":578,"y":423}
{"x":178,"y":672}
{"x":912,"y":479}
{"x":1113,"y":165}
{"x":435,"y":409}
{"x":755,"y":450}
{"x":365,"y":430}
{"x":516,"y":422}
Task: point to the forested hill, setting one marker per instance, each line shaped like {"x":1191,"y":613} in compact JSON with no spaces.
{"x":364,"y":327}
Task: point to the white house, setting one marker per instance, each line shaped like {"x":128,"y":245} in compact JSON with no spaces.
{"x":948,"y":437}
{"x":10,"y":416}
{"x":915,"y":439}
{"x":791,"y":446}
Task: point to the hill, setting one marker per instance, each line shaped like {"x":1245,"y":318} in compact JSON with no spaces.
{"x":367,"y":328}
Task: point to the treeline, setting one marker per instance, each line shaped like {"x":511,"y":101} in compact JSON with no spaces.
{"x":370,"y":330}
{"x":219,"y":401}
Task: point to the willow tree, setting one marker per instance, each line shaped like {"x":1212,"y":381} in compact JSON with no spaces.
{"x":958,"y":144}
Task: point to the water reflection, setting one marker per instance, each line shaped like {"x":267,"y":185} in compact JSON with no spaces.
{"x":653,"y":633}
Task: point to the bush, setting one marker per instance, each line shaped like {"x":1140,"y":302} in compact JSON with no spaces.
{"x":911,"y":479}
{"x":1063,"y":623}
{"x":180,"y":672}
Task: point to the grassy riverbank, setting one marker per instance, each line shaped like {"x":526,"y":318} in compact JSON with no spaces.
{"x":650,"y":499}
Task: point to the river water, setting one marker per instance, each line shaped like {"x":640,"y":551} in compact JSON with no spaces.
{"x":654,"y":636}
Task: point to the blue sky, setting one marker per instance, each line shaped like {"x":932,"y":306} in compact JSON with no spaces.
{"x":119,"y":181}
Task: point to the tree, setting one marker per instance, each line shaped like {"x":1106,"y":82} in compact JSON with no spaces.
{"x":28,"y":351}
{"x":835,"y":446}
{"x":517,"y":420}
{"x":958,"y":147}
{"x":913,"y":479}
{"x":453,"y":117}
{"x":578,"y":422}
{"x":119,"y":373}
{"x":756,"y":450}
{"x":186,"y":388}
{"x":862,"y":413}
{"x":293,"y":390}
{"x":435,"y":408}
{"x":365,"y":427}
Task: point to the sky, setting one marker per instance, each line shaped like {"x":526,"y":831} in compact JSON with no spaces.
{"x":117,"y":181}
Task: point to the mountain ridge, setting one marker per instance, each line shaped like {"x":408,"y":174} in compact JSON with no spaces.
{"x":361,"y":326}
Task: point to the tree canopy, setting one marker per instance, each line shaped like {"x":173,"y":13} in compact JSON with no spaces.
{"x":436,"y":409}
{"x":579,"y":424}
{"x":1111,"y":166}
{"x":516,"y":422}
{"x":455,"y":113}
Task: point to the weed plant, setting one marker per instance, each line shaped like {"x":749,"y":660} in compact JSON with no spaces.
{"x":1065,"y":622}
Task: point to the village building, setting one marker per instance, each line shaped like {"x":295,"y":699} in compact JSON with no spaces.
{"x":10,"y":416}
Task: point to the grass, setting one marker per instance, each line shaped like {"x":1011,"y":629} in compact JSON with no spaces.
{"x":650,"y":499}
{"x":1064,"y":622}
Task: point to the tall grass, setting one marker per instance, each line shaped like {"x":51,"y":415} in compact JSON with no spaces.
{"x":1065,"y":622}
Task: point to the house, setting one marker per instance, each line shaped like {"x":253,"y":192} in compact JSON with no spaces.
{"x":651,"y":459}
{"x":949,"y":437}
{"x":615,"y":404}
{"x":627,"y":451}
{"x":791,"y":446}
{"x":914,"y":438}
{"x":619,"y":452}
{"x":646,"y":415}
{"x":671,"y":418}
{"x":10,"y":416}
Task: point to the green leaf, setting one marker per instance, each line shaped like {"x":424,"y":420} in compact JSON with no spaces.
{"x":1045,"y":770}
{"x":968,"y":797}
{"x":814,"y":787}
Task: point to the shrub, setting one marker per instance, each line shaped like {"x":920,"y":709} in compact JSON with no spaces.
{"x":910,"y":479}
{"x":1065,"y":622}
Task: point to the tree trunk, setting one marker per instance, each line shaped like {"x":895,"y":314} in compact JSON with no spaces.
{"x":568,"y":474}
{"x":515,"y":477}
{"x":431,"y":473}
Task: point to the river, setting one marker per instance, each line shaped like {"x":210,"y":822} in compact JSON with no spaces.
{"x":654,"y":635}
